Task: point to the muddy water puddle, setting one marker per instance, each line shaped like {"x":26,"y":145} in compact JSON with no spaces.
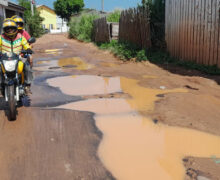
{"x":133,"y":147}
{"x":43,"y":62}
{"x":75,"y":62}
{"x":63,"y":63}
{"x":86,"y":85}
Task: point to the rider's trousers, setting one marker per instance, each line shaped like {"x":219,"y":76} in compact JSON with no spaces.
{"x":28,"y":73}
{"x":1,"y":77}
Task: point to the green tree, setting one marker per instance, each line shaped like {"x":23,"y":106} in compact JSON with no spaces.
{"x":66,"y":8}
{"x":33,"y":23}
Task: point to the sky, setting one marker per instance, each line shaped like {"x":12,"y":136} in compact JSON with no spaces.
{"x":109,"y":5}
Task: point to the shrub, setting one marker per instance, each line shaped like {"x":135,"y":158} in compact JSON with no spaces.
{"x":124,"y":51}
{"x":81,"y":27}
{"x":114,"y":16}
{"x":141,"y":55}
{"x":34,"y":25}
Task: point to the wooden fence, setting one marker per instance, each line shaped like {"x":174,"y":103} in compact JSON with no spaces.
{"x":101,"y":32}
{"x":134,"y":27}
{"x":193,"y":30}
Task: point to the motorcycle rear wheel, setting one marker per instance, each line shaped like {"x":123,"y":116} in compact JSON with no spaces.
{"x":12,"y":103}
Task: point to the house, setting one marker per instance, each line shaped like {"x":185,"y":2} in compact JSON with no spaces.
{"x":14,"y":9}
{"x":50,"y":17}
{"x":9,"y":9}
{"x":62,"y":25}
{"x":51,"y":21}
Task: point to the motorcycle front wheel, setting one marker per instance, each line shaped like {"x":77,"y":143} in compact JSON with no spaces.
{"x":12,"y":103}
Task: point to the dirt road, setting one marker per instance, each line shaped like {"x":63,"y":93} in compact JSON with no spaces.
{"x":94,"y":117}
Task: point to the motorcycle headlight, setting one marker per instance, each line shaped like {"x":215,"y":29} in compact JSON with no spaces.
{"x":10,"y":65}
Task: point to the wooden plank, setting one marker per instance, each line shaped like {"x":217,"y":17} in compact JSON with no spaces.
{"x":174,"y":28}
{"x":166,"y":23}
{"x":193,"y":29}
{"x":178,"y":29}
{"x":197,"y":24}
{"x":184,"y":29}
{"x":187,"y":30}
{"x":194,"y":32}
{"x":201,"y":32}
{"x":169,"y":26}
{"x":190,"y":29}
{"x":218,"y":52}
{"x":211,"y":32}
{"x":205,"y":33}
{"x":213,"y":29}
{"x":181,"y":28}
{"x":208,"y":31}
{"x":177,"y":15}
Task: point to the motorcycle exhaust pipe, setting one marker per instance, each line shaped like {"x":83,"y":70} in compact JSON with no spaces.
{"x":6,"y":93}
{"x":17,"y":93}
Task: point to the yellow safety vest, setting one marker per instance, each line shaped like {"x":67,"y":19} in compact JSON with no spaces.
{"x":15,"y":45}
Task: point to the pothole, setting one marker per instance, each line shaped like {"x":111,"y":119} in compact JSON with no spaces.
{"x":55,"y":67}
{"x":133,"y":146}
{"x":75,"y":62}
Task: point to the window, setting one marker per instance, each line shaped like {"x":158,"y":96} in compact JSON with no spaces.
{"x":43,"y":25}
{"x":9,"y":13}
{"x":51,"y":26}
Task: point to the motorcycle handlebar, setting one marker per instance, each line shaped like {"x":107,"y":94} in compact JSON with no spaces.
{"x":27,"y":52}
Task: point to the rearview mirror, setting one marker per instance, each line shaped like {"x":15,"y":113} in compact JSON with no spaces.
{"x":31,"y":40}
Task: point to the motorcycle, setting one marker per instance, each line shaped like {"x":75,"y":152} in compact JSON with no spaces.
{"x":13,"y":87}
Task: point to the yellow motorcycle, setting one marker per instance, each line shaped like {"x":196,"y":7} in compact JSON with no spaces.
{"x":13,"y":88}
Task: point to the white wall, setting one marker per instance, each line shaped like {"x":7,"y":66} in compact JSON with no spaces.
{"x":61,"y":25}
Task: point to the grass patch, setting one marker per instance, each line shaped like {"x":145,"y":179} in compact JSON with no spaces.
{"x":127,"y":51}
{"x":162,"y":57}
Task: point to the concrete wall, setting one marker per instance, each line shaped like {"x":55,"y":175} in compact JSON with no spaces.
{"x":2,"y":16}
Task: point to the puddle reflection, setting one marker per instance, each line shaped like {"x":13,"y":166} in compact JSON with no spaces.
{"x":86,"y":85}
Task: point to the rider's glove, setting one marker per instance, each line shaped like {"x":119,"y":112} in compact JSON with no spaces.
{"x":29,"y":51}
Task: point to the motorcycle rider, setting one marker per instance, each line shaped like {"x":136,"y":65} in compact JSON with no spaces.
{"x":12,"y":41}
{"x":20,"y":23}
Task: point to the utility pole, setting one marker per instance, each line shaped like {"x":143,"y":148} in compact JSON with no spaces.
{"x":102,"y":5}
{"x":32,"y":7}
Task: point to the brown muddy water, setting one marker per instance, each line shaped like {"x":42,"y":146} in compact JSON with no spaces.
{"x":133,"y":147}
{"x":75,"y":61}
{"x":70,"y":63}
